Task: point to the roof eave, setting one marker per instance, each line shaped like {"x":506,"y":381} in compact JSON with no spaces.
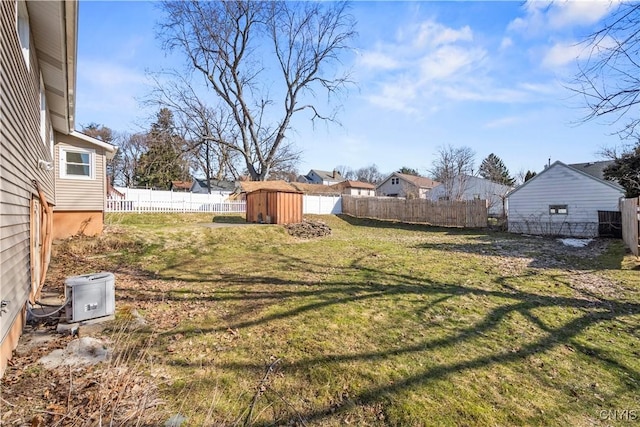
{"x":109,"y":149}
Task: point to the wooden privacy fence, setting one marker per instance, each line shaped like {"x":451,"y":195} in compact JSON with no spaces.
{"x":467,"y":213}
{"x":631,"y":223}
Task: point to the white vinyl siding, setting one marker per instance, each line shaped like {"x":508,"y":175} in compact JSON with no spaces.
{"x":560,"y":186}
{"x":472,"y":188}
{"x":78,"y":192}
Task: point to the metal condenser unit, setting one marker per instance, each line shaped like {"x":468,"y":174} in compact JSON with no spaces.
{"x":89,"y":296}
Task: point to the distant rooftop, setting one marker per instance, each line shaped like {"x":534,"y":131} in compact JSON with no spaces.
{"x":595,"y":169}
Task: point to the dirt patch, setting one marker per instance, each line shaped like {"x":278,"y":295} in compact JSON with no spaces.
{"x":68,"y":381}
{"x":308,"y":229}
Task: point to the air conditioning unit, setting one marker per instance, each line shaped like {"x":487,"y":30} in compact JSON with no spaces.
{"x":89,"y":296}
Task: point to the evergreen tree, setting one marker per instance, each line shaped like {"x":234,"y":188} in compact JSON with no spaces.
{"x":408,"y":171}
{"x":626,"y":171}
{"x":163,"y":161}
{"x":105,"y":134}
{"x":493,"y":169}
{"x":529,"y":175}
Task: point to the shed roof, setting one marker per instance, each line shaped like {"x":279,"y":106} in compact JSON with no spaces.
{"x":282,"y":186}
{"x":183,"y":185}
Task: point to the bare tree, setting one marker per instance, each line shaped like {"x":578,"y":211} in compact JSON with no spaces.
{"x":130,"y":147}
{"x":451,"y":167}
{"x":369,"y":174}
{"x":609,"y":77}
{"x":346,"y":172}
{"x":206,"y":131}
{"x":233,"y":44}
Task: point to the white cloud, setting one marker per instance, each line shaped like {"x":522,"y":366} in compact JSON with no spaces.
{"x":397,"y":96}
{"x":448,"y":61}
{"x":569,"y":13}
{"x":561,"y":54}
{"x":423,"y":59}
{"x":503,"y":122}
{"x":107,"y":74}
{"x":109,"y":93}
{"x":506,"y":43}
{"x":542,"y":16}
{"x":378,"y":60}
{"x":433,"y":34}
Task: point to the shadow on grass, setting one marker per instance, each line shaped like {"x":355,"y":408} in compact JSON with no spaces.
{"x":601,"y":254}
{"x":230,"y":219}
{"x":592,"y":310}
{"x":397,"y":225}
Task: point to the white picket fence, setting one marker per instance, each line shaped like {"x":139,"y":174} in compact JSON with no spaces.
{"x":184,"y":206}
{"x":144,"y":201}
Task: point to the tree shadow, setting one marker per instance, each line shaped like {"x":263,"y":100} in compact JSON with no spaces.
{"x":311,"y":296}
{"x":540,"y":252}
{"x":397,"y":225}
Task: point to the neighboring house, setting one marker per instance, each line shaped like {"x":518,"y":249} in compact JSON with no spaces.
{"x":184,"y":186}
{"x":80,"y":184}
{"x":355,"y":188}
{"x":467,"y":187}
{"x":200,"y":186}
{"x":563,"y":200}
{"x":315,"y":189}
{"x":113,"y":193}
{"x":403,"y":185}
{"x":37,"y":88}
{"x":316,"y":176}
{"x":595,"y":169}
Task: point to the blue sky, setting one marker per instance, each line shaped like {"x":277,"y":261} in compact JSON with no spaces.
{"x":487,"y":75}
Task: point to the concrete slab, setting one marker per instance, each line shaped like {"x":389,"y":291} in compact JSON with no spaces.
{"x":80,"y":352}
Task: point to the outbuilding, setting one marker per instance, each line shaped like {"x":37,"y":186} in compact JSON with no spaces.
{"x":273,"y":202}
{"x":564,"y":200}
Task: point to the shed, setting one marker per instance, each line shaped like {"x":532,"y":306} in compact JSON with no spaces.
{"x":273,"y":202}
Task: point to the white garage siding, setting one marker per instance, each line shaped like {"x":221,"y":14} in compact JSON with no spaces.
{"x":558,"y":186}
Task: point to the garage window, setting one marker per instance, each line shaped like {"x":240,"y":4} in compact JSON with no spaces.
{"x":558,"y":210}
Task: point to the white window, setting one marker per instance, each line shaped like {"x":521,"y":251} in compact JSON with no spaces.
{"x":558,"y":210}
{"x":23,"y":29}
{"x":395,"y":181}
{"x":77,"y":163}
{"x":43,"y":114}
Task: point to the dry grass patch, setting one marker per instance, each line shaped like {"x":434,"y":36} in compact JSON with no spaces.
{"x":378,"y":324}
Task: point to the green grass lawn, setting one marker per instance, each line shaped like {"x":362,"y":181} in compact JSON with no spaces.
{"x":377,"y":324}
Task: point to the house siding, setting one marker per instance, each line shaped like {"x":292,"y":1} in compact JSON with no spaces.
{"x":386,"y":188}
{"x":21,"y":149}
{"x":80,"y":194}
{"x":492,"y":192}
{"x":560,"y":185}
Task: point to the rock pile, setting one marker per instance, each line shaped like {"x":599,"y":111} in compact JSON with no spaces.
{"x":308,"y":229}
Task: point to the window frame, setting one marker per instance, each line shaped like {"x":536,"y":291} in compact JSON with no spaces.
{"x":63,"y":163}
{"x":556,"y":209}
{"x":23,"y":29}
